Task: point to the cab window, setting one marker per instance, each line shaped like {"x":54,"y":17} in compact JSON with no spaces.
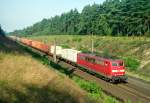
{"x":114,"y":64}
{"x":120,"y":64}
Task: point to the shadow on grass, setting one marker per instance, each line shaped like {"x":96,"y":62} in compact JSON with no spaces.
{"x":9,"y":46}
{"x":34,"y":94}
{"x":66,"y":70}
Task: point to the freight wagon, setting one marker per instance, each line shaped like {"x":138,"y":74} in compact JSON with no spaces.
{"x":58,"y":50}
{"x":26,"y":41}
{"x":40,"y":46}
{"x":70,"y":54}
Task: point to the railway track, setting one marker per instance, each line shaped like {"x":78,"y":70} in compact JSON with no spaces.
{"x":123,"y":92}
{"x":136,"y":91}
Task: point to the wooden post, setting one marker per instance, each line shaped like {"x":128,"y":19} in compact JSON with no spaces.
{"x":92,"y":44}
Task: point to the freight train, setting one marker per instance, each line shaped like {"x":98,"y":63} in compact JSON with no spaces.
{"x":112,"y":70}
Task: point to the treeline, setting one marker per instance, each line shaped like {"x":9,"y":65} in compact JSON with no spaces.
{"x":113,"y":17}
{"x":2,"y":33}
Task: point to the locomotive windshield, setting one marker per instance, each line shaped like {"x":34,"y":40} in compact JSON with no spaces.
{"x":114,"y":64}
{"x":117,"y":64}
{"x":120,"y":63}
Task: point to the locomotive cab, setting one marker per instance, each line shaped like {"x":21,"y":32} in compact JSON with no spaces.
{"x":118,"y":71}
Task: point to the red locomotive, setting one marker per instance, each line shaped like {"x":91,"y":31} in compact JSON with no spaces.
{"x":113,"y":70}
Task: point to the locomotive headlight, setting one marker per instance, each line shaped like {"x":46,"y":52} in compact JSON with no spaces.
{"x":114,"y":71}
{"x":122,"y":70}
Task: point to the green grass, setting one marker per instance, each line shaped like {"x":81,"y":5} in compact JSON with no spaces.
{"x":93,"y":89}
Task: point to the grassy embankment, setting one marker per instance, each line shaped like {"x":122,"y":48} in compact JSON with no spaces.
{"x":134,"y":51}
{"x":24,"y":79}
{"x":94,"y":91}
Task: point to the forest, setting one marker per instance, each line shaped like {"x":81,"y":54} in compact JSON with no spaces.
{"x":112,"y":17}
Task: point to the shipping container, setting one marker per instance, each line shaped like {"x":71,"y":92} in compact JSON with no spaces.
{"x":41,"y":46}
{"x":13,"y":37}
{"x":58,"y":50}
{"x":45,"y":47}
{"x":26,"y":41}
{"x":17,"y":38}
{"x":70,"y":54}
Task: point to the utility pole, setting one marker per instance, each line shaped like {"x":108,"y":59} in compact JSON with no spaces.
{"x":92,"y":43}
{"x":54,"y":55}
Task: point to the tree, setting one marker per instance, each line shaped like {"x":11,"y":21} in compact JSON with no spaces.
{"x":1,"y":31}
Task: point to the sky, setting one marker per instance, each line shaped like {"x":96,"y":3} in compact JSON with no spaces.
{"x":18,"y":14}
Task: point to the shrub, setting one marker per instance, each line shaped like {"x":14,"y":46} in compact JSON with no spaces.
{"x":131,"y":63}
{"x":92,"y":88}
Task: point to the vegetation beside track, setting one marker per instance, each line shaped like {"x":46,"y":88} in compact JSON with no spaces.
{"x":94,"y":91}
{"x":23,"y":79}
{"x":133,"y":50}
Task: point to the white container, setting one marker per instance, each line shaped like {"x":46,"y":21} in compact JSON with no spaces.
{"x":70,"y":54}
{"x":13,"y":37}
{"x":58,"y":50}
{"x":17,"y":38}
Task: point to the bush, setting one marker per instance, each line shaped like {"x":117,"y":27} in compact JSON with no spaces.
{"x":92,"y":88}
{"x":131,"y":63}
